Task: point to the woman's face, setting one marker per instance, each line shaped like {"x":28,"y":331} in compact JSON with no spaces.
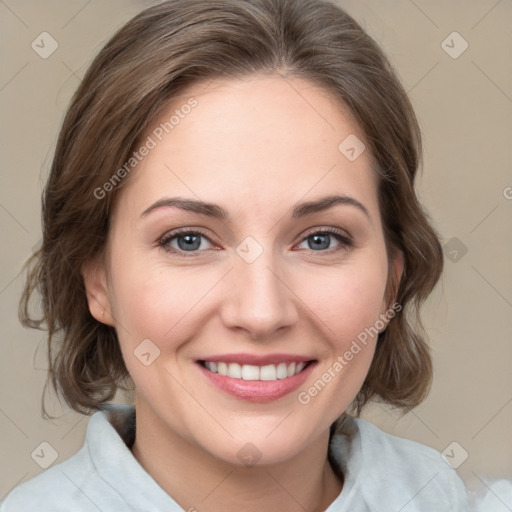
{"x":246,"y":258}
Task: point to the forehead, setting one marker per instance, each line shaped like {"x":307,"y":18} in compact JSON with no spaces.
{"x":259,"y":143}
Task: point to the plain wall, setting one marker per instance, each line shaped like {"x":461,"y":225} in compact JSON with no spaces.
{"x":464,"y":106}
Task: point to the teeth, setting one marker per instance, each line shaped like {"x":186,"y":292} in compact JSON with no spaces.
{"x":251,"y":372}
{"x":234,"y":370}
{"x":268,"y":372}
{"x":222,"y":368}
{"x":282,"y":371}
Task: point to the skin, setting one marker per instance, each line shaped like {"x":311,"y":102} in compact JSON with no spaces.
{"x":255,"y":147}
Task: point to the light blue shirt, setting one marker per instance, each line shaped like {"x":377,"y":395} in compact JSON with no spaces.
{"x":382,"y":473}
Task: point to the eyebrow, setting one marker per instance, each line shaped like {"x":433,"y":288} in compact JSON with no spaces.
{"x":213,"y":210}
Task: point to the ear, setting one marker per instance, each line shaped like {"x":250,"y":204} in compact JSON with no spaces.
{"x":395,"y":272}
{"x":96,"y":287}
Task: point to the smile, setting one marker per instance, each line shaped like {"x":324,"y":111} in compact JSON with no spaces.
{"x":267,"y":372}
{"x":256,"y":378}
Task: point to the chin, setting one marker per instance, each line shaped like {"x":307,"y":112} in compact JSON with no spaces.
{"x":264,"y":447}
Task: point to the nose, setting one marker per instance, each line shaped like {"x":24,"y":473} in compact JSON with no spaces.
{"x":259,"y":300}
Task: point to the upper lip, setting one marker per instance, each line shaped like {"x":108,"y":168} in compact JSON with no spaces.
{"x":257,"y":360}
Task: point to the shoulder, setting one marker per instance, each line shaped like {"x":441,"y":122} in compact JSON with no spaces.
{"x":402,"y":451}
{"x":77,"y":480}
{"x":413,"y":475}
{"x":404,"y":474}
{"x":495,"y":496}
{"x":55,"y":488}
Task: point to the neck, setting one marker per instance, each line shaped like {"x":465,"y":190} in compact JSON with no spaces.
{"x":197,"y":481}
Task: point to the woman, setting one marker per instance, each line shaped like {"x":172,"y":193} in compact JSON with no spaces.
{"x":230,"y":225}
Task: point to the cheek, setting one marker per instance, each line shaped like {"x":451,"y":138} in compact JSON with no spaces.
{"x":150,"y":305}
{"x":153,"y":303}
{"x":348,"y":300}
{"x":348,"y":306}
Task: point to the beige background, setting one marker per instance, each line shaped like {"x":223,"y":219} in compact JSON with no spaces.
{"x":465,"y":109}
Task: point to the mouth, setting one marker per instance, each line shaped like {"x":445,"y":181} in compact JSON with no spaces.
{"x":269,"y":372}
{"x":254,"y":378}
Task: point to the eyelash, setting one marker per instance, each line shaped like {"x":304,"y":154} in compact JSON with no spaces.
{"x":345,"y":241}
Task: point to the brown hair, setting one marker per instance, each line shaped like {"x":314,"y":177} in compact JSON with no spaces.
{"x":147,"y":63}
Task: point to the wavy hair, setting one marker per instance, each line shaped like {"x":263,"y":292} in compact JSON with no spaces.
{"x":149,"y":62}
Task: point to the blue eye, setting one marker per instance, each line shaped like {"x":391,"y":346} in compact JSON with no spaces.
{"x":196,"y":242}
{"x":186,"y":241}
{"x":323,"y":240}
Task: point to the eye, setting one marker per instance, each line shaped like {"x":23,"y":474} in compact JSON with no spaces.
{"x":327,"y":239}
{"x":194,"y":242}
{"x":185,"y":241}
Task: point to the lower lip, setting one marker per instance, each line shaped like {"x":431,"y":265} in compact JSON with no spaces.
{"x":257,"y":390}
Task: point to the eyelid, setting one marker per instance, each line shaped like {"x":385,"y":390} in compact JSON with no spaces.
{"x":165,"y":239}
{"x":344,"y":238}
{"x":330,"y":230}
